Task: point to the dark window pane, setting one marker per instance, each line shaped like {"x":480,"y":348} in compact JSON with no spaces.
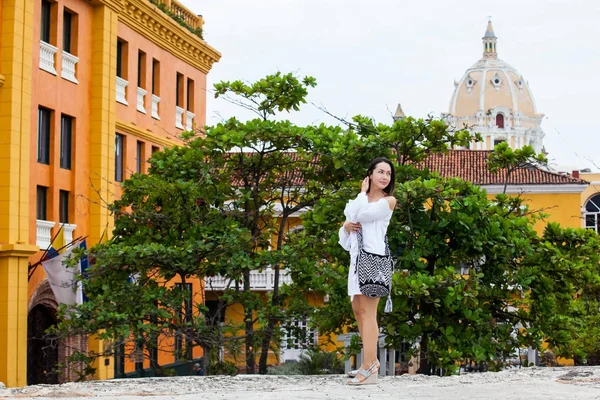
{"x":593,"y":204}
{"x":40,"y":205}
{"x":119,"y":59}
{"x":179,"y":90}
{"x":45,"y":22}
{"x":139,"y":157}
{"x":67,"y":18}
{"x":63,"y":205}
{"x":119,"y":141}
{"x":66,"y":133}
{"x":43,"y":154}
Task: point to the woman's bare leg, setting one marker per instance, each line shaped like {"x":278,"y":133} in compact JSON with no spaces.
{"x":365,"y":311}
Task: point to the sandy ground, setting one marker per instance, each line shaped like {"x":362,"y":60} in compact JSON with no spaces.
{"x":526,"y":383}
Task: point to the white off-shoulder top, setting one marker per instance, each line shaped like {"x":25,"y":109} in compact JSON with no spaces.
{"x":374,"y":218}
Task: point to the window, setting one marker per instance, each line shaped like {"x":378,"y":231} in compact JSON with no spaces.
{"x":41,"y":203}
{"x":155,"y":149}
{"x":122,"y":48}
{"x":190,"y":95}
{"x":43,"y":153}
{"x":298,"y":336}
{"x":66,"y":132}
{"x":500,"y":121}
{"x":67,"y":35}
{"x":45,"y":21}
{"x":592,"y":213}
{"x":179,"y":90}
{"x":498,"y":141}
{"x":63,"y":207}
{"x":155,"y":77}
{"x":141,"y":70}
{"x":139,"y":165}
{"x":119,"y":147}
{"x":215,"y":314}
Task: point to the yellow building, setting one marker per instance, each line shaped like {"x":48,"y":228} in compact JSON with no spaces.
{"x":88,"y":90}
{"x":590,"y":200}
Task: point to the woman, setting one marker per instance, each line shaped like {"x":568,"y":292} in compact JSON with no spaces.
{"x":370,"y":213}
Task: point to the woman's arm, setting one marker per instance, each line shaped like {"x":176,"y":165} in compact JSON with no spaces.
{"x":379,"y":210}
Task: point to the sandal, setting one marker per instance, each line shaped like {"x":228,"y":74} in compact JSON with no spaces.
{"x":370,"y":376}
{"x":354,"y":372}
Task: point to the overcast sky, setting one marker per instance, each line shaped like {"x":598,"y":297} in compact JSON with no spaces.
{"x":368,"y":56}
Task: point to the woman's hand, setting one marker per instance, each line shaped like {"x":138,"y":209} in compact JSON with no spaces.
{"x":365,"y":185}
{"x":351,"y":226}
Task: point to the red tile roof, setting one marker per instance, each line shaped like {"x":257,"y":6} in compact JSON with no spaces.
{"x":471,"y":165}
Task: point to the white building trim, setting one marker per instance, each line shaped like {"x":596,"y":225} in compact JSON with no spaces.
{"x":535,"y":189}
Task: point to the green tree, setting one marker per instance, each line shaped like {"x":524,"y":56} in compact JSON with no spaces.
{"x":165,"y":228}
{"x":443,"y":227}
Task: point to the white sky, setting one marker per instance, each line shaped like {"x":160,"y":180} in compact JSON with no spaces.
{"x":368,"y":56}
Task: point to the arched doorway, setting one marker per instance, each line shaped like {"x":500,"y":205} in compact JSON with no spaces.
{"x":42,"y":349}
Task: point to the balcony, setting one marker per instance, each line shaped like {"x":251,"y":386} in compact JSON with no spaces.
{"x":189,"y":120}
{"x":122,"y":90}
{"x":182,"y":15}
{"x":47,"y":53}
{"x":68,"y":230}
{"x":141,"y":97}
{"x":44,"y":233}
{"x":69,"y":61}
{"x":179,"y":117}
{"x":259,"y":281}
{"x":155,"y":101}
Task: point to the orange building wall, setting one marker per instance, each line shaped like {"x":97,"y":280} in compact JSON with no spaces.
{"x":63,"y":97}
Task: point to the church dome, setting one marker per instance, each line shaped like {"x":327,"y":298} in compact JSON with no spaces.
{"x":495,"y":100}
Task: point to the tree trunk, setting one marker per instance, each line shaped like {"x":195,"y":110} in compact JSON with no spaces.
{"x":249,"y":325}
{"x":268,"y":335}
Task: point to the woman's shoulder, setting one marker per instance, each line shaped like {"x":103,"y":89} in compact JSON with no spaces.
{"x":391,"y":200}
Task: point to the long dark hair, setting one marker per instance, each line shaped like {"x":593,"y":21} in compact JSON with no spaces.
{"x":389,"y":189}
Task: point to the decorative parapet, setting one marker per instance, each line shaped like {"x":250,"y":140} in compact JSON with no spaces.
{"x":259,"y":280}
{"x":43,"y":236}
{"x":47,"y":53}
{"x":155,"y":101}
{"x":189,"y":120}
{"x":179,"y":117}
{"x":149,"y":21}
{"x":141,"y":97}
{"x":122,"y":90}
{"x":69,"y":61}
{"x":68,"y":230}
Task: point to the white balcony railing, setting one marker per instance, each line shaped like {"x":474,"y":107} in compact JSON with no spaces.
{"x":44,"y":233}
{"x":68,"y":232}
{"x":179,"y":117}
{"x":155,"y":101}
{"x":189,"y":120}
{"x":122,"y":91}
{"x":69,"y":61}
{"x":258,"y":281}
{"x":141,"y":97}
{"x":47,"y":53}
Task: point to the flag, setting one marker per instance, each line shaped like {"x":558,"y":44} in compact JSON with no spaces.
{"x":84,"y":265}
{"x":62,"y":278}
{"x":57,"y":246}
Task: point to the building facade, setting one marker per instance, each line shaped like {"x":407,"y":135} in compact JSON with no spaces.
{"x":88,"y":91}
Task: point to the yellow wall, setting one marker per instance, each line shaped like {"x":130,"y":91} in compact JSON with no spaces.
{"x":563,"y":208}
